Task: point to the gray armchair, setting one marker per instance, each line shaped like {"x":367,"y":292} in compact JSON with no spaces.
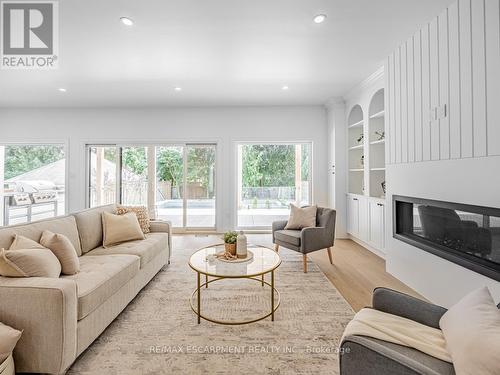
{"x":308,"y":240}
{"x":361,"y":355}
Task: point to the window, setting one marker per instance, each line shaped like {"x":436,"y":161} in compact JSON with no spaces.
{"x":32,"y":182}
{"x":270,"y":177}
{"x":176,"y":182}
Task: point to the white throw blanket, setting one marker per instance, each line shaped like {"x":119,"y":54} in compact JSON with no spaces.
{"x":398,"y":330}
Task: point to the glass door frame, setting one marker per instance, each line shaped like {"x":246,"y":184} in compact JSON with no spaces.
{"x":238,"y":175}
{"x":151,"y":199}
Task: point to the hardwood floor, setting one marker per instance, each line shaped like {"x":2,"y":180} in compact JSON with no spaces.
{"x":355,"y":272}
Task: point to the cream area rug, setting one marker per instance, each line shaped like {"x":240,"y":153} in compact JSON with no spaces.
{"x":158,"y":332}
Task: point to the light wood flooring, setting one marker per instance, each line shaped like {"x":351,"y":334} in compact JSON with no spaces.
{"x":355,"y":272}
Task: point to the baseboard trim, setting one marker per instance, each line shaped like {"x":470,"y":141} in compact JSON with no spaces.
{"x":367,"y":246}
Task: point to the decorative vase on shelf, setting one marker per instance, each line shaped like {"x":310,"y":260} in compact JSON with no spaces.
{"x":241,"y":245}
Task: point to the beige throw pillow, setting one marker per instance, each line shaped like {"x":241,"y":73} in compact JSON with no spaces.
{"x":8,"y":340}
{"x":471,"y":329}
{"x":29,"y":263}
{"x":23,"y":243}
{"x":301,"y":217}
{"x":120,"y":228}
{"x":63,"y":249}
{"x":141,"y":213}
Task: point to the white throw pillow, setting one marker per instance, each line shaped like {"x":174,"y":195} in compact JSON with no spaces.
{"x":301,"y":217}
{"x":471,"y":329}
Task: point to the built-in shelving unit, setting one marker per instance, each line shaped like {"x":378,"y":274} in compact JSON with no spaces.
{"x":376,"y":135}
{"x":356,"y":145}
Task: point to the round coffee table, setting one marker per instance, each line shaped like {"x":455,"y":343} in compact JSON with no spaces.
{"x":264,"y":261}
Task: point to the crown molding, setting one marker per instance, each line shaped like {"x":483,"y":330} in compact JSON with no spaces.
{"x":335,"y":102}
{"x":374,"y":77}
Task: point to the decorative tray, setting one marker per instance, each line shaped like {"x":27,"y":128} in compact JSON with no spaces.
{"x":219,"y":256}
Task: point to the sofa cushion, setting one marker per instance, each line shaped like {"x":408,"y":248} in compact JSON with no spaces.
{"x":100,"y":277}
{"x":89,"y":224}
{"x":65,"y":225}
{"x":118,"y":229}
{"x":8,"y":340}
{"x":288,"y":236}
{"x":145,"y":249}
{"x":63,"y":249}
{"x":29,"y":263}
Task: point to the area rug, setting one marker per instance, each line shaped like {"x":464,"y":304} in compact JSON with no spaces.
{"x":158,"y":332}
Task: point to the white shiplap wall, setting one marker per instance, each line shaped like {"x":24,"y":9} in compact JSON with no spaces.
{"x":453,"y":60}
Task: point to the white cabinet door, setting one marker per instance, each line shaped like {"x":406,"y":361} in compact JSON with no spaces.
{"x":377,"y":217}
{"x":352,"y":215}
{"x":364,"y":216}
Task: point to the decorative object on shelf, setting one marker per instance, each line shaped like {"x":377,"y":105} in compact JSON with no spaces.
{"x":383,"y":186}
{"x":360,"y":138}
{"x":230,"y":242}
{"x":362,"y":160}
{"x":380,"y":135}
{"x":241,"y":245}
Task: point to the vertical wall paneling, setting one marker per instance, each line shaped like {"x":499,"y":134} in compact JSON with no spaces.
{"x":417,"y":41}
{"x":397,"y":83}
{"x":392,"y":108}
{"x":454,"y":84}
{"x":445,"y":86}
{"x":426,"y":97}
{"x":478,"y":77}
{"x":444,"y":94}
{"x":404,"y":104}
{"x":411,"y":100}
{"x":492,"y":27}
{"x":434,"y":69}
{"x":467,"y":138}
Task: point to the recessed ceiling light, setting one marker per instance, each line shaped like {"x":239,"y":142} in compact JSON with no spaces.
{"x":319,"y":18}
{"x":178,"y":88}
{"x":285,"y":88}
{"x":62,"y":89}
{"x":127,"y":21}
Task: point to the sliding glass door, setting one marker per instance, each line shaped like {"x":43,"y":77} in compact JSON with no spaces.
{"x":270,"y":178}
{"x":176,"y":182}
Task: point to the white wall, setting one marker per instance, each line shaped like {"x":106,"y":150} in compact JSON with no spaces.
{"x":226,"y":126}
{"x":454,"y":61}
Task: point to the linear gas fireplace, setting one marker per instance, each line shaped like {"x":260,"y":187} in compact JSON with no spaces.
{"x":464,"y":234}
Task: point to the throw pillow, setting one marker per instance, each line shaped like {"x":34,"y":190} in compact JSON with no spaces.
{"x":120,"y":228}
{"x":63,"y":249}
{"x":23,"y":243}
{"x":8,"y":340}
{"x":302,"y":217}
{"x":471,"y":329}
{"x":142,"y":215}
{"x":29,"y":263}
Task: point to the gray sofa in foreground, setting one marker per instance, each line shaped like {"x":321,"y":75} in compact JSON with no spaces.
{"x":362,"y":355}
{"x":61,"y":317}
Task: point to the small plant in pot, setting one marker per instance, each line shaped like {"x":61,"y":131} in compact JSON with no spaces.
{"x":230,"y":242}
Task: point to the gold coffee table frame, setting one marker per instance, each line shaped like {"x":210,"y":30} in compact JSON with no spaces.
{"x":275,"y":302}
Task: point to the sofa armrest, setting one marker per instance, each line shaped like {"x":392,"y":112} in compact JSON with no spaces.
{"x":315,"y":238}
{"x":45,"y":310}
{"x":278,"y":225}
{"x":397,"y":303}
{"x":163,"y":226}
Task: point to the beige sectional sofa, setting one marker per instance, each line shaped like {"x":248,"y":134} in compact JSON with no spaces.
{"x":61,"y":317}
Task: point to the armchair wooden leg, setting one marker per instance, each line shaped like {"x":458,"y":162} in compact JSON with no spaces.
{"x":330,"y":255}
{"x":304,"y":257}
{"x":277,"y":248}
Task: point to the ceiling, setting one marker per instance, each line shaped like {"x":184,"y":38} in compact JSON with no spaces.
{"x":220,"y":52}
